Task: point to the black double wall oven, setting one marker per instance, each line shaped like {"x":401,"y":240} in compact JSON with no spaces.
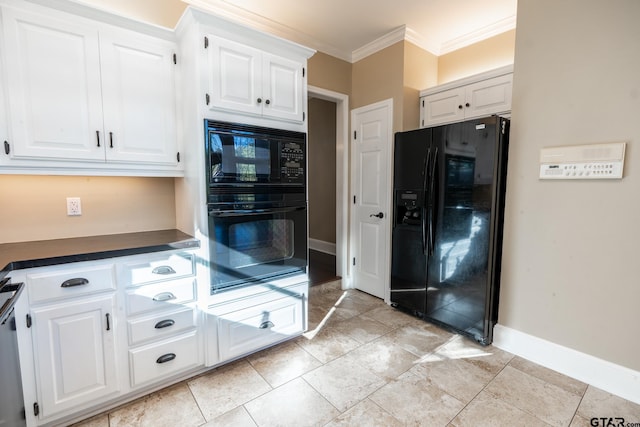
{"x":256,"y":202}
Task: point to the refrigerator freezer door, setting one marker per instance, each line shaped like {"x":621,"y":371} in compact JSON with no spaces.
{"x":408,"y":255}
{"x":459,"y":272}
{"x":410,"y":155}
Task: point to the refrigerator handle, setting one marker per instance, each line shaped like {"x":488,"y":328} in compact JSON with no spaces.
{"x":433,"y":205}
{"x":424,"y":215}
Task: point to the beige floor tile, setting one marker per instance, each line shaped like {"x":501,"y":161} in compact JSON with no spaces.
{"x":488,"y":411}
{"x":327,"y":344}
{"x":295,"y":403}
{"x":420,"y":338}
{"x":101,"y":420}
{"x":353,"y":304}
{"x":489,"y":358}
{"x":344,"y":382}
{"x":414,"y":402}
{"x":282,"y":363}
{"x":173,"y":406}
{"x":321,"y":317}
{"x":384,"y":358}
{"x":541,"y":399}
{"x":238,"y":417}
{"x":457,"y":377}
{"x":578,"y":421}
{"x":389,"y":316}
{"x":365,"y":414}
{"x":567,"y":383}
{"x":226,"y":388}
{"x":598,"y":403}
{"x":365,"y":297}
{"x":363,"y":329}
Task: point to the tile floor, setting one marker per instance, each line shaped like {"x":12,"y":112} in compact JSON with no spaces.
{"x":363,"y":363}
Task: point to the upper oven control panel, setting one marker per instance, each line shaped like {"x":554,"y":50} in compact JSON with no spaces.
{"x":292,"y":162}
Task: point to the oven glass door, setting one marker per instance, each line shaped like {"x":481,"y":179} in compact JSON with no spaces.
{"x":241,"y":158}
{"x":247,"y":246}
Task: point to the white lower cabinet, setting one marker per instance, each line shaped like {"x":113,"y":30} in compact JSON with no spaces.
{"x":96,"y":334}
{"x":162,"y":317}
{"x":162,"y":359}
{"x":249,"y":324}
{"x":76,"y":355}
{"x":68,"y":338}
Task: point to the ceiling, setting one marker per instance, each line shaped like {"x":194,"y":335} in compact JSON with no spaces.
{"x":352,"y":29}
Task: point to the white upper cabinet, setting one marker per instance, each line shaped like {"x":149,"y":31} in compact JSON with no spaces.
{"x":86,"y":95}
{"x":282,"y":88}
{"x":54,"y":93}
{"x":248,"y":80}
{"x":138,"y":90}
{"x":477,"y":96}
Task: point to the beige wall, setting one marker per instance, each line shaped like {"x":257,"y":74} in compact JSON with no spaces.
{"x":420,"y":72}
{"x":570,"y":267}
{"x":322,"y":170}
{"x":486,"y":55}
{"x":36,"y":208}
{"x":328,"y":72}
{"x":378,"y":77}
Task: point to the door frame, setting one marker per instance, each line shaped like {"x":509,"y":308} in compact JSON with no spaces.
{"x":388,"y":103}
{"x":342,"y":178}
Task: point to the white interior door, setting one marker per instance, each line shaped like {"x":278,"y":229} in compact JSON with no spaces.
{"x":371,"y":179}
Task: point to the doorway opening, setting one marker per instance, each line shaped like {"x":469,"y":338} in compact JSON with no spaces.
{"x":328,"y":187}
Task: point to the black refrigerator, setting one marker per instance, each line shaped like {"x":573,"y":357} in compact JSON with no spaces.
{"x":449,"y":187}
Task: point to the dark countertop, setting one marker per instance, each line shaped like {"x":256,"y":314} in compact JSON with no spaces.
{"x":42,"y":253}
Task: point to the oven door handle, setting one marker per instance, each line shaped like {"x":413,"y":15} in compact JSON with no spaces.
{"x":245,"y":212}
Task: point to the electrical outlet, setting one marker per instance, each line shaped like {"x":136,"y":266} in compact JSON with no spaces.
{"x":74,"y":207}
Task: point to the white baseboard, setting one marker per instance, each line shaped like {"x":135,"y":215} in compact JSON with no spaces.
{"x":322,"y":246}
{"x":615,"y":379}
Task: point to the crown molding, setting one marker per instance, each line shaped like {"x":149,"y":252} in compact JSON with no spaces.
{"x":478,"y":35}
{"x":380,"y":43}
{"x":420,"y":41}
{"x":242,"y":16}
{"x":237,"y":14}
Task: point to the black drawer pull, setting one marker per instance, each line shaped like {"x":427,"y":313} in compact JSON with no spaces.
{"x":108,"y":316}
{"x":166,"y":358}
{"x":78,"y":281}
{"x":163,"y":269}
{"x":266,"y":325}
{"x":164,"y":296}
{"x":165,"y":323}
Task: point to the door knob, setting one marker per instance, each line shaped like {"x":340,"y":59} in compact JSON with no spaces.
{"x":378,"y":215}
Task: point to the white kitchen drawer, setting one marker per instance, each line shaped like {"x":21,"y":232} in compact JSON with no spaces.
{"x":157,"y":361}
{"x":242,"y":298}
{"x":160,"y":325}
{"x":58,"y":283}
{"x":244,"y":331}
{"x":160,"y":296}
{"x":158,"y":267}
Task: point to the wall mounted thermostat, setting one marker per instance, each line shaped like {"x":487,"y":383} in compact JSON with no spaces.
{"x":593,"y":161}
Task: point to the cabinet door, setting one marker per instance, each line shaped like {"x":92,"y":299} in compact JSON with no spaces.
{"x":138,"y":76}
{"x":282,"y":88}
{"x":76,"y":358}
{"x":244,"y":331}
{"x":489,"y":97}
{"x":444,"y":107}
{"x":53,"y":86}
{"x":235,"y":76}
